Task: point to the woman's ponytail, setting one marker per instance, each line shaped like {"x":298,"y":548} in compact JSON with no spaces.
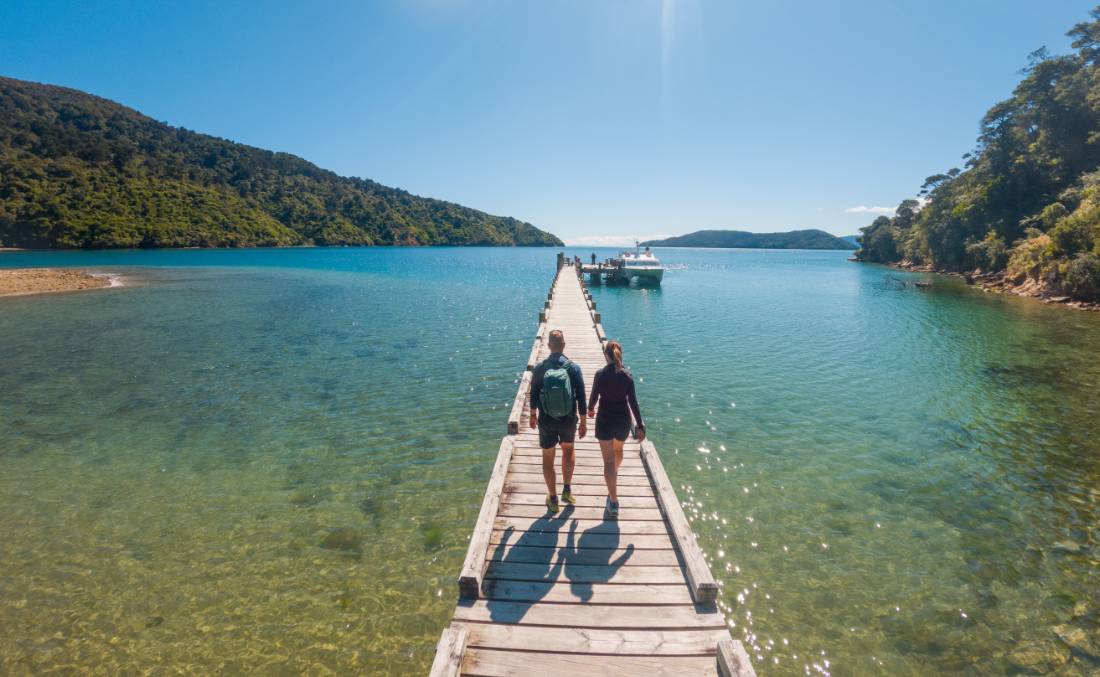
{"x":614,"y":352}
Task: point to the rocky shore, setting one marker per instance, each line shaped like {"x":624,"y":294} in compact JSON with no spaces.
{"x":1002,"y":283}
{"x":22,"y":281}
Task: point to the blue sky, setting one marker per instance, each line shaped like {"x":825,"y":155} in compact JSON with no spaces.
{"x":596,"y":120}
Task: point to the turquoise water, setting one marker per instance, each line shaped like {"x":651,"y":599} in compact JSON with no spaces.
{"x":271,"y":460}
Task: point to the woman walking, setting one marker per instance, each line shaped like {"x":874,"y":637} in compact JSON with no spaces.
{"x":613,"y":390}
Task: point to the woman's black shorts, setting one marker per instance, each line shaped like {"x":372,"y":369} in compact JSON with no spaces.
{"x":612,"y":427}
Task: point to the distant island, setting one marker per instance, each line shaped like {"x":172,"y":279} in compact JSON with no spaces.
{"x":80,"y":171}
{"x":739,"y":239}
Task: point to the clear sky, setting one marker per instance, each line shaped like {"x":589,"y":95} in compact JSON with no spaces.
{"x":588,"y":118}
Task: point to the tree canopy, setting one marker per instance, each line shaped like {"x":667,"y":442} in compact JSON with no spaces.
{"x":1028,"y":199}
{"x":77,"y":170}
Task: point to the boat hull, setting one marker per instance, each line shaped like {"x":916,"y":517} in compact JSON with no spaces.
{"x":644,"y":275}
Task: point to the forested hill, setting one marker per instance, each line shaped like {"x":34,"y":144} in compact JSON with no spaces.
{"x":1027,"y":203}
{"x":80,"y":171}
{"x":795,"y":239}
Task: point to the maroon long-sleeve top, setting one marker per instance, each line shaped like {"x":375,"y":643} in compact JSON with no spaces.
{"x":614,"y":390}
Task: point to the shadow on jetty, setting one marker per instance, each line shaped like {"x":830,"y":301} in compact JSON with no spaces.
{"x":536,"y":555}
{"x":588,"y":558}
{"x":533,"y":564}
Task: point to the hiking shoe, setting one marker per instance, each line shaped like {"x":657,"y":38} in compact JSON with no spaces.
{"x":567,"y":497}
{"x":552,"y":504}
{"x":612,"y":509}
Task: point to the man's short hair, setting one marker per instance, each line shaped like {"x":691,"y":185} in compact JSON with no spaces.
{"x":556,"y":340}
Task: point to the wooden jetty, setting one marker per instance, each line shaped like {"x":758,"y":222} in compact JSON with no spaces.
{"x":573,"y":593}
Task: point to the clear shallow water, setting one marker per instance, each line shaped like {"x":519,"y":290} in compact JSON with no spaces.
{"x":272,"y":459}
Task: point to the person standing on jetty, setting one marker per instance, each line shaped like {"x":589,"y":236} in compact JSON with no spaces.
{"x":613,"y":390}
{"x":557,"y":397}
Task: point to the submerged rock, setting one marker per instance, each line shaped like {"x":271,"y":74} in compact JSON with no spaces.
{"x":371,"y":506}
{"x":345,"y":540}
{"x":309,"y":497}
{"x":1069,"y":547}
{"x":1078,"y":640}
{"x":1038,"y":657}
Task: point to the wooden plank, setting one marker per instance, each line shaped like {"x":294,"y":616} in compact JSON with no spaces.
{"x":595,"y":481}
{"x":733,"y":660}
{"x":595,"y":593}
{"x":518,"y":403}
{"x":525,"y":510}
{"x":530,"y":436}
{"x":588,"y":463}
{"x":594,"y":489}
{"x":587,"y":573}
{"x":449,"y":651}
{"x":595,"y":556}
{"x":595,"y":615}
{"x":496,"y":663}
{"x":700,"y":580}
{"x":593,"y":473}
{"x":581,"y":446}
{"x":625,"y":526}
{"x":596,"y":640}
{"x":592,"y":456}
{"x":626,"y":503}
{"x":604,"y":536}
{"x":469,"y":581}
{"x":583,"y":462}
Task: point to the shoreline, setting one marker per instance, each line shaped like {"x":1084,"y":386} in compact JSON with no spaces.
{"x":998,"y":283}
{"x":31,"y":281}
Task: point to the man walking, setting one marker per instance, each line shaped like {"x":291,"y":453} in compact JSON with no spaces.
{"x":557,"y":404}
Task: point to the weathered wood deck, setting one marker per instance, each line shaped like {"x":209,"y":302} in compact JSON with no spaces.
{"x":572,"y":593}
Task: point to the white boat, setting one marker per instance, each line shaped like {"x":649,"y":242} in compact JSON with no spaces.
{"x":640,"y":265}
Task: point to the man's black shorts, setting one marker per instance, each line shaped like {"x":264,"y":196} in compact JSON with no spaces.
{"x":553,"y":431}
{"x":612,"y":427}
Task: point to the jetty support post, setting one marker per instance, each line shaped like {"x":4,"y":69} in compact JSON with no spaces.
{"x":517,"y":404}
{"x":449,"y":652}
{"x":733,"y":660}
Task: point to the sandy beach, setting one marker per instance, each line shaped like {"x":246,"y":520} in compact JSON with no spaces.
{"x":22,"y":281}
